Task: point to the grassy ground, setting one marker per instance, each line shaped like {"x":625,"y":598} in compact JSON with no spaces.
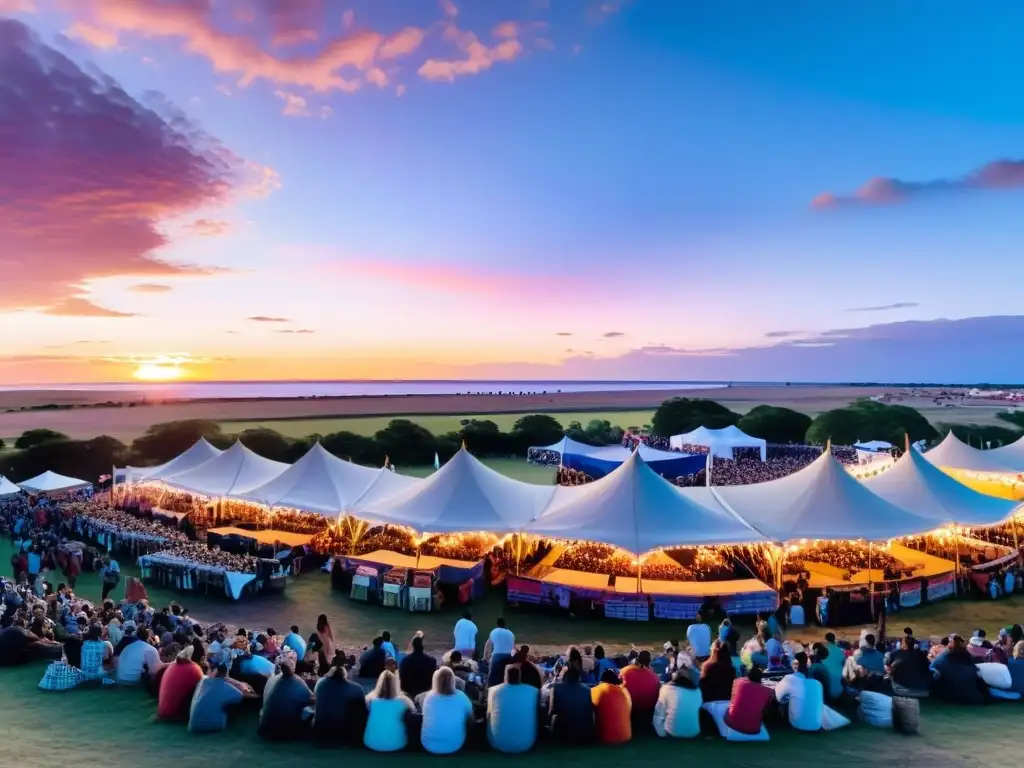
{"x":438,"y":424}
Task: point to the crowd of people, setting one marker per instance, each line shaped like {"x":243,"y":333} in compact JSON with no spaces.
{"x":494,"y":692}
{"x":850,"y":557}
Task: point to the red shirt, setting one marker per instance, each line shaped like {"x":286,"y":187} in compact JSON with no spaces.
{"x":177,"y":685}
{"x":643,"y":686}
{"x":747,"y":706}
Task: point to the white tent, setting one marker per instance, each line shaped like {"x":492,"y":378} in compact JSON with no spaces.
{"x":914,"y":484}
{"x":385,"y":486}
{"x":617,"y":453}
{"x":720,"y":442}
{"x":564,"y":446}
{"x":462,"y":496}
{"x":821,"y":501}
{"x":7,"y":488}
{"x":1012,"y":455}
{"x":951,"y":453}
{"x":200,"y":453}
{"x":51,"y":482}
{"x":636,"y":509}
{"x":233,"y":472}
{"x":318,"y":482}
{"x":873,"y":446}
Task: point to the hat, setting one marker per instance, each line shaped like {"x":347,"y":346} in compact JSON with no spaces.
{"x":667,"y":646}
{"x":130,"y":626}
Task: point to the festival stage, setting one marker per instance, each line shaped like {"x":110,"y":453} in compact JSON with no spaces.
{"x":925,"y":567}
{"x":265,"y":537}
{"x":638,"y":601}
{"x":465,"y":574}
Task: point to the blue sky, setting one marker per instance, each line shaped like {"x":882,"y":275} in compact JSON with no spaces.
{"x":426,"y":190}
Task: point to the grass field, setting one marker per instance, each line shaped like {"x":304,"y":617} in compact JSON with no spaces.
{"x":438,"y":424}
{"x":116,"y":727}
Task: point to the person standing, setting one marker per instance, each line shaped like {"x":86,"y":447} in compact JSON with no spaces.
{"x":110,"y":575}
{"x":498,"y":650}
{"x":698,"y":635}
{"x":465,"y":636}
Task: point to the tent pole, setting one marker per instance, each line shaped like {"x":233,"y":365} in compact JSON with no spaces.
{"x":956,"y":565}
{"x":871,"y":583}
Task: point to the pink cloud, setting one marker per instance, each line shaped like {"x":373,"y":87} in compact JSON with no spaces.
{"x":94,"y":36}
{"x":150,"y":288}
{"x":87,"y":174}
{"x":506,"y":29}
{"x":209,"y":227}
{"x":476,"y":56}
{"x":999,"y":174}
{"x":242,"y":54}
{"x":449,"y":9}
{"x":294,"y":105}
{"x":17,"y":6}
{"x":77,"y":306}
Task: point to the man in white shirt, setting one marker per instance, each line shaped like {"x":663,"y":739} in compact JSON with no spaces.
{"x":138,"y":660}
{"x":804,"y":697}
{"x":500,"y":646}
{"x":698,"y":635}
{"x":465,"y":636}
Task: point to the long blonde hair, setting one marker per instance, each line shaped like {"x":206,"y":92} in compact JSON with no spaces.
{"x":387,"y":686}
{"x":444,"y":681}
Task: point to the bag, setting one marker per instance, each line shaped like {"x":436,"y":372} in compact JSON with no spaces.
{"x":906,"y":715}
{"x":876,"y":709}
{"x":60,"y":676}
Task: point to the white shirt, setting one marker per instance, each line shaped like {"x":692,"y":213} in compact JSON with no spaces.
{"x":699,"y":638}
{"x":502,"y":640}
{"x":444,"y":722}
{"x":806,"y":699}
{"x":133,"y":658}
{"x":465,"y":635}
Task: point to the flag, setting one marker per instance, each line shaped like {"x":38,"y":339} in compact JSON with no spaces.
{"x":437,"y":461}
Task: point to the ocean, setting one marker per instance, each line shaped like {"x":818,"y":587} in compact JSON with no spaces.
{"x":244,"y":390}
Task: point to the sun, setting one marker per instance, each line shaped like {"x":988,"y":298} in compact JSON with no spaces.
{"x":158,"y":372}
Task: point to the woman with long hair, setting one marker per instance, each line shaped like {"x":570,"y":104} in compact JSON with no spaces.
{"x":447,"y":714}
{"x":385,"y":726}
{"x":718,"y":674}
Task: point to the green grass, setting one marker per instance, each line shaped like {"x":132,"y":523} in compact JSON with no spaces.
{"x":117,"y":728}
{"x":438,"y":424}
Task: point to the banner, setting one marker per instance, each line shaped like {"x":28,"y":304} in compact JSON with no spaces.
{"x":940,"y":587}
{"x":910,"y":594}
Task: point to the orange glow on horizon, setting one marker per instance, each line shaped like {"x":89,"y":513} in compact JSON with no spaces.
{"x":158,"y":372}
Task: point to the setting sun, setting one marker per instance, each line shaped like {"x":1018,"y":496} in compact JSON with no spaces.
{"x":158,"y":372}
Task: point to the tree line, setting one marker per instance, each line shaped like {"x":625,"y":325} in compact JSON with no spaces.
{"x":406,"y":443}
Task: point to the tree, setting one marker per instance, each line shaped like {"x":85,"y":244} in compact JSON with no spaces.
{"x":981,"y":435}
{"x":162,"y":442}
{"x":268,"y":443}
{"x":537,"y":429}
{"x":483,"y":438}
{"x":602,"y":432}
{"x":406,"y":442}
{"x":775,"y":424}
{"x":683,"y":414}
{"x":869,"y":420}
{"x":1016,"y":418}
{"x":359,"y":449}
{"x":34,"y":437}
{"x":2,"y":445}
{"x":85,"y":459}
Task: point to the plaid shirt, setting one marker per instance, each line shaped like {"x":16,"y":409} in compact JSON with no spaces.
{"x":60,"y":676}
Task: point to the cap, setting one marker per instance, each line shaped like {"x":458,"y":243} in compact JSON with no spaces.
{"x":130,"y":626}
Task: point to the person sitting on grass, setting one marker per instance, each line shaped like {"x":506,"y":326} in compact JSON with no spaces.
{"x":643,"y":685}
{"x":612,"y":707}
{"x":803,"y":697}
{"x":512,"y":713}
{"x":340,"y":711}
{"x":97,"y":654}
{"x":284,"y":702}
{"x":677,"y":711}
{"x":386,"y":729}
{"x":570,"y":709}
{"x":909,"y":671}
{"x":214,"y":694}
{"x":748,"y":704}
{"x":177,"y":687}
{"x":447,"y":715}
{"x":717,"y":674}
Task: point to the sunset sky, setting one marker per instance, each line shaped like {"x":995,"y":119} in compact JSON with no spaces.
{"x":627,"y":189}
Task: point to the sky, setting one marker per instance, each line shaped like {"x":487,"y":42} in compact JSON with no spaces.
{"x":527,"y":189}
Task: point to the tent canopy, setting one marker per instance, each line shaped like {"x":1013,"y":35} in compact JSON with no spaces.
{"x":1011,"y":455}
{"x":564,"y":446}
{"x":720,"y":442}
{"x":7,"y":488}
{"x":821,"y":501}
{"x":200,"y":453}
{"x":386,"y":485}
{"x":232,"y":473}
{"x":637,"y":510}
{"x":951,"y":453}
{"x":318,"y":482}
{"x":599,"y":462}
{"x":462,"y":496}
{"x":914,"y":484}
{"x":51,"y":482}
{"x":873,"y":446}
